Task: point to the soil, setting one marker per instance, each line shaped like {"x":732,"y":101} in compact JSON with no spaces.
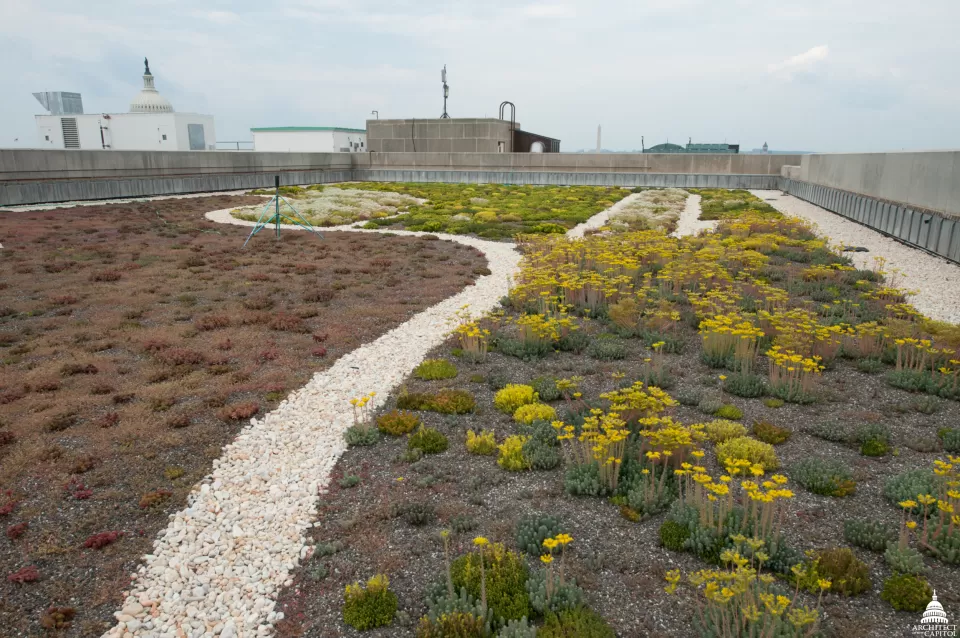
{"x":619,"y":563}
{"x":136,"y":340}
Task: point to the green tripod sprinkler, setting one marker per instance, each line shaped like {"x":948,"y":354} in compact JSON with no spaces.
{"x":275,"y":218}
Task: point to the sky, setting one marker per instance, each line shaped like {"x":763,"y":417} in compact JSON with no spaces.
{"x":816,"y":75}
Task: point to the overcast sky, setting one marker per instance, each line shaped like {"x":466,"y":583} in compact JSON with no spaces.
{"x":821,"y":75}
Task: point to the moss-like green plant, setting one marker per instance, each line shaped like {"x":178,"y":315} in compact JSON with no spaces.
{"x":435,"y":369}
{"x":511,"y":454}
{"x":458,"y":624}
{"x":428,"y":441}
{"x":721,"y":430}
{"x":773,"y":402}
{"x":576,"y":623}
{"x":827,"y":477}
{"x":673,"y":535}
{"x":906,"y":592}
{"x":505,"y":574}
{"x":534,"y":412}
{"x":445,"y":401}
{"x":370,"y":606}
{"x":744,"y":447}
{"x":397,"y":422}
{"x":770,"y":433}
{"x":729,"y":412}
{"x":484,"y":444}
{"x":513,"y":396}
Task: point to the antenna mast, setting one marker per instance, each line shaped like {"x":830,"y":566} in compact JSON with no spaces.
{"x":446,"y":92}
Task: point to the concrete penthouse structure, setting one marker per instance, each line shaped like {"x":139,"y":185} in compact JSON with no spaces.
{"x":914,"y":197}
{"x":455,"y":135}
{"x":150,"y":125}
{"x":309,"y":139}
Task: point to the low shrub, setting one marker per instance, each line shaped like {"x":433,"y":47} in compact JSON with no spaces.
{"x":361,"y":435}
{"x":575,"y":623}
{"x":397,"y":422}
{"x":773,"y":403}
{"x":848,"y":575}
{"x":744,"y":447}
{"x":533,"y":529}
{"x":23,"y":575}
{"x":370,"y":606}
{"x":874,"y":439}
{"x":534,"y":412}
{"x":452,"y":402}
{"x":710,"y":404}
{"x":156,"y":497}
{"x":770,"y":433}
{"x":546,"y":388}
{"x":238,"y":411}
{"x":869,"y":534}
{"x":435,"y":369}
{"x":826,"y":477}
{"x":511,"y":454}
{"x":101,"y":540}
{"x":729,"y":412}
{"x":428,"y":441}
{"x":906,"y":592}
{"x":722,"y":430}
{"x":514,"y":396}
{"x":484,"y":444}
{"x":950,"y":438}
{"x":607,"y":348}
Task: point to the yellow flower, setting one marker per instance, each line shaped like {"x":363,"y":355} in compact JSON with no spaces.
{"x":480,"y":541}
{"x":547,"y":559}
{"x":907,"y":504}
{"x":563,"y":539}
{"x":550,"y":543}
{"x":723,"y":377}
{"x":911,"y":524}
{"x":824,"y":584}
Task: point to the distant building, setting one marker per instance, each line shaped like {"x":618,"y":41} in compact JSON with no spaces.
{"x":456,"y":135}
{"x":150,"y":125}
{"x":309,"y":139}
{"x":693,"y":148}
{"x":766,"y":149}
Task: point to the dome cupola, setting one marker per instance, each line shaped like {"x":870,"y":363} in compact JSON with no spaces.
{"x":149,"y":99}
{"x":934,"y":613}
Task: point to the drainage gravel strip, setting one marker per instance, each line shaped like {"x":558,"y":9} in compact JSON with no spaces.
{"x":690,"y":222}
{"x":218,"y":567}
{"x":934,"y":282}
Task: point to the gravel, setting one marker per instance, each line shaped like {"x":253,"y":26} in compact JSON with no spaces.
{"x":934,"y":282}
{"x":601,"y":218}
{"x":218,"y":567}
{"x":690,"y":222}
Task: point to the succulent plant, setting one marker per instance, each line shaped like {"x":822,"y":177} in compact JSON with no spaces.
{"x":533,"y":529}
{"x":869,"y":534}
{"x":906,"y":592}
{"x":904,"y":560}
{"x":518,"y":629}
{"x":563,"y":596}
{"x":583,"y":480}
{"x":827,"y":477}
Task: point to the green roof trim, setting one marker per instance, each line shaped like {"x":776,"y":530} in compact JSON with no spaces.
{"x":292,"y":129}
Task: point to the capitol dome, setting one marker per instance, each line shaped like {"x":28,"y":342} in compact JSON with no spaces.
{"x":934,"y":613}
{"x":149,"y":99}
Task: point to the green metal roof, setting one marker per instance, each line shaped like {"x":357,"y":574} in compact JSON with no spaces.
{"x":291,"y":129}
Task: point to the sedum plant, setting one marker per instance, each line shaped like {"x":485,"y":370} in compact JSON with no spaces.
{"x":511,"y":454}
{"x":531,"y":412}
{"x":904,"y":559}
{"x":518,"y":629}
{"x":843,"y":572}
{"x":581,"y":622}
{"x":427,"y":440}
{"x":369,"y":606}
{"x":827,"y":477}
{"x":458,"y":624}
{"x":746,"y":448}
{"x":495,"y":576}
{"x":770,"y":433}
{"x":729,"y":412}
{"x":868,"y":534}
{"x":533,"y":529}
{"x":722,"y":430}
{"x":435,"y":369}
{"x":906,"y":592}
{"x":484,"y":444}
{"x":513,"y":396}
{"x":397,"y":422}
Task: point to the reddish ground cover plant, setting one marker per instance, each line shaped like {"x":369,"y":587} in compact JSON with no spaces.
{"x":16,"y":531}
{"x":125,"y":329}
{"x":23,"y":575}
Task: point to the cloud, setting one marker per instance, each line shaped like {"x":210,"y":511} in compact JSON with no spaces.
{"x":548,"y":11}
{"x":805,"y":62}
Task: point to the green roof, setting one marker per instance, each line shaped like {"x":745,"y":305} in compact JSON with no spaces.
{"x":291,"y":129}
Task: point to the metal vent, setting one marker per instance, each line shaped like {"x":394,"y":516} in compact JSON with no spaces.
{"x":71,"y":137}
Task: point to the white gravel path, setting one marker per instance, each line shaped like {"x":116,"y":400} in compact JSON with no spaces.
{"x":601,"y":218}
{"x":218,"y":567}
{"x":934,"y":281}
{"x":690,"y":222}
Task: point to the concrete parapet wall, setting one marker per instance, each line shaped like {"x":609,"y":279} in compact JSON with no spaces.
{"x":929,"y":180}
{"x":933,"y":232}
{"x":544,"y":178}
{"x":672,"y":163}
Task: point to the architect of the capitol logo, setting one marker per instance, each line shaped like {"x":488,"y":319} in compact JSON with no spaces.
{"x":934,"y":622}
